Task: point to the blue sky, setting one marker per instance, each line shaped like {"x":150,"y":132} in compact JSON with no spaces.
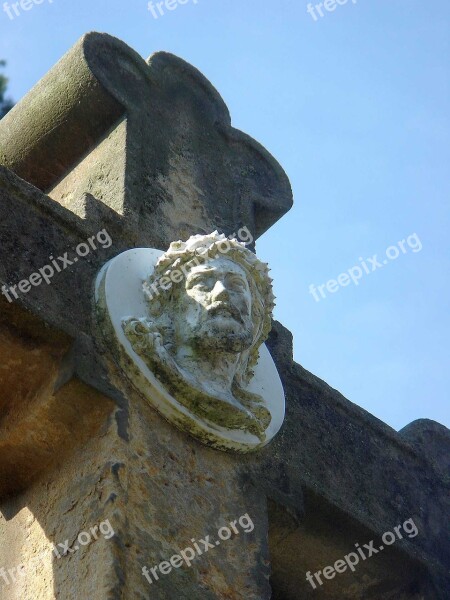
{"x":355,"y":106}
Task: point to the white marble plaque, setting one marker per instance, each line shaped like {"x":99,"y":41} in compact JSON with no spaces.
{"x":186,"y":327}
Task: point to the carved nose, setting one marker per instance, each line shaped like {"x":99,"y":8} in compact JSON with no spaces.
{"x":220,"y":292}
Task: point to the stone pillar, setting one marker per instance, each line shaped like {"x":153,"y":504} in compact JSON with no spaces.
{"x":146,"y":152}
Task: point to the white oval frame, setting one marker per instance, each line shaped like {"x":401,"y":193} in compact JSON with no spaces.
{"x":119,"y":294}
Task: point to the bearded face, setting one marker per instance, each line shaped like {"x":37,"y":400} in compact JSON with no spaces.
{"x":214,"y":310}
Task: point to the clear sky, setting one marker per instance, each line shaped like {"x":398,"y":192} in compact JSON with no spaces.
{"x":355,"y":106}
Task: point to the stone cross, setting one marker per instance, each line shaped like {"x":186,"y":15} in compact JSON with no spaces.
{"x":98,"y":492}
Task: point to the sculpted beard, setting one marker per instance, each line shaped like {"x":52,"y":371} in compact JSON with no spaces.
{"x":224,"y":332}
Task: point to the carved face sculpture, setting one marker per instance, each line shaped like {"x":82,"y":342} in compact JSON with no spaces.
{"x":209,"y":302}
{"x":215,"y":307}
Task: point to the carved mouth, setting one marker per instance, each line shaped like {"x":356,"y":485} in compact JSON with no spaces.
{"x":227,"y":310}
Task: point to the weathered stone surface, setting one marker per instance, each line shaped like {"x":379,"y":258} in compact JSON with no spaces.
{"x":152,"y":141}
{"x":158,"y":491}
{"x":360,"y":479}
{"x":432,"y":441}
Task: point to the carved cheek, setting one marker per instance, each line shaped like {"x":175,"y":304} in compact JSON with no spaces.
{"x":197,"y":304}
{"x":243,"y":302}
{"x":202,"y":298}
{"x":193,"y":294}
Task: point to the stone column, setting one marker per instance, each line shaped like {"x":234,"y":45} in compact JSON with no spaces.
{"x":144,"y":151}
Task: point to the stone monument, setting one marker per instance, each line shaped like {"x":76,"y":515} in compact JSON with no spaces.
{"x":206,"y":310}
{"x":112,"y":169}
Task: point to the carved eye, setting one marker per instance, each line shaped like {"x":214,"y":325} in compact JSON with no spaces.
{"x":201,"y":285}
{"x":236,"y":283}
{"x":199,"y":282}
